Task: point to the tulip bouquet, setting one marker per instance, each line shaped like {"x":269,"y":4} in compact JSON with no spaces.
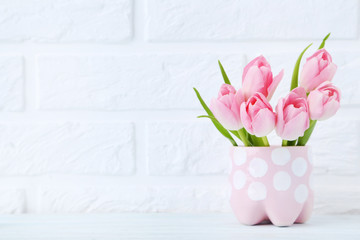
{"x":247,"y":114}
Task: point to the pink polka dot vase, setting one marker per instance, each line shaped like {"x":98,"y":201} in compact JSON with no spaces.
{"x":271,"y":183}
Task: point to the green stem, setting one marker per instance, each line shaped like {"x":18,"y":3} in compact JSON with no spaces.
{"x":265,"y":141}
{"x":243,"y":137}
{"x":249,"y":138}
{"x":259,"y":141}
{"x":288,"y":143}
{"x":247,"y":135}
{"x":256,"y":141}
{"x":304,"y":139}
{"x":236,"y":134}
{"x":292,"y":143}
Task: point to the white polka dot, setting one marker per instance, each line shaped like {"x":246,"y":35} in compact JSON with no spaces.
{"x":301,"y":193}
{"x":311,"y":182}
{"x":239,"y":179}
{"x":299,"y":166}
{"x":280,"y":156}
{"x":239,"y":156}
{"x":258,"y":167}
{"x":257,"y":191}
{"x":282,"y":181}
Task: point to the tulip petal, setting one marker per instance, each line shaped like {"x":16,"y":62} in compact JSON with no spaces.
{"x":224,"y":115}
{"x":296,"y":127}
{"x":280,"y":117}
{"x":245,"y":118}
{"x":295,"y":75}
{"x":330,"y":109}
{"x":260,"y":60}
{"x":308,"y":73}
{"x":324,"y":101}
{"x":271,"y":89}
{"x":299,"y":92}
{"x":328,"y":73}
{"x":218,"y":126}
{"x":227,"y":100}
{"x":292,"y":115}
{"x":238,"y":100}
{"x":316,"y":107}
{"x":253,"y":82}
{"x":264,"y":102}
{"x":290,"y":112}
{"x":226,"y":89}
{"x":318,"y":69}
{"x":263,"y":123}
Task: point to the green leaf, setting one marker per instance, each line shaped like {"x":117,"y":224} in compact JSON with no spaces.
{"x":265,"y":141}
{"x":206,"y":116}
{"x":304,"y":139}
{"x":216,"y":123}
{"x":236,"y":134}
{"x":203,"y":104}
{"x":295,"y":76}
{"x":226,"y":79}
{"x":224,"y":132}
{"x":322,"y":45}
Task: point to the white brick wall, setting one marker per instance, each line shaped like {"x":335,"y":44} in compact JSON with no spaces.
{"x":70,"y":148}
{"x":97,"y":111}
{"x":178,"y":148}
{"x":257,"y":19}
{"x":66,"y":20}
{"x":12,"y":82}
{"x":115,"y":82}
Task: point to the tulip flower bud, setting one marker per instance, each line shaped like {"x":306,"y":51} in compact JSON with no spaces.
{"x":292,"y":117}
{"x":318,"y":68}
{"x":324,"y":101}
{"x":226,"y":108}
{"x":257,"y":115}
{"x":257,"y":77}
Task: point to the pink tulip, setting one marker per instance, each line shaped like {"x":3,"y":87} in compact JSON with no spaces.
{"x":257,"y":77}
{"x":226,"y":108}
{"x":324,"y":101}
{"x":292,"y":115}
{"x":257,"y":115}
{"x":318,"y":68}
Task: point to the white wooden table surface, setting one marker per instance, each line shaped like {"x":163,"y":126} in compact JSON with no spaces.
{"x":169,"y":226}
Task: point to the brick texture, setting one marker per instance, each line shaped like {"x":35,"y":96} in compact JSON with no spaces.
{"x":66,"y":21}
{"x":70,"y":148}
{"x":115,"y":82}
{"x":179,"y":148}
{"x":12,"y":83}
{"x":239,"y":20}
